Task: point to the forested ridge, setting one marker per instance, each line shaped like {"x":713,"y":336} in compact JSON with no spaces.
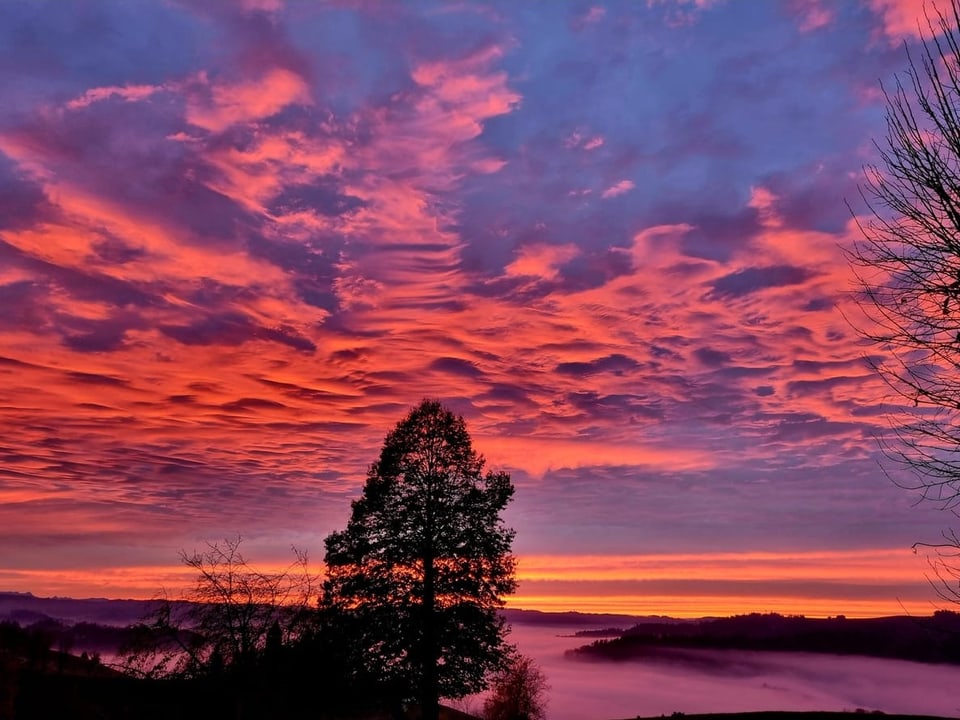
{"x":934,"y":638}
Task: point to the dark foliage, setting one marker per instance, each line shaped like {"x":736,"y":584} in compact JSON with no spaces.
{"x":283,"y":679}
{"x":417,"y":577}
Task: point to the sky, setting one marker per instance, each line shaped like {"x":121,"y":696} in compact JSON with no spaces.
{"x":240,"y":240}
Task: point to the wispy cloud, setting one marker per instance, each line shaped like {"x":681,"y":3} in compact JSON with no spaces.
{"x":618,"y":188}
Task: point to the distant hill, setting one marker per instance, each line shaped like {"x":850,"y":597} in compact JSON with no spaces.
{"x":933,"y":638}
{"x":94,"y":625}
{"x":582,"y":620}
{"x":100,"y":626}
{"x":26,"y":609}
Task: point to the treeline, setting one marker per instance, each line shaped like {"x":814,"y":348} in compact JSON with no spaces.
{"x":933,"y":638}
{"x":48,"y":634}
{"x":26,"y":608}
{"x":44,"y":674}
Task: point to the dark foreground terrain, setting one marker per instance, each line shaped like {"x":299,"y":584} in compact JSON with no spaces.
{"x":31,"y":694}
{"x":80,"y":689}
{"x":793,"y":716}
{"x":51,"y":667}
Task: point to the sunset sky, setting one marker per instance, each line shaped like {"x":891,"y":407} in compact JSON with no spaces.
{"x":238,"y":241}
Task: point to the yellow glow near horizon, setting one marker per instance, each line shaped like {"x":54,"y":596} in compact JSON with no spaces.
{"x":871,"y":565}
{"x":714,"y":606}
{"x":862,"y":583}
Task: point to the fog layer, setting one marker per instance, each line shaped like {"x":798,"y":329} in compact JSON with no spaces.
{"x":731,"y":681}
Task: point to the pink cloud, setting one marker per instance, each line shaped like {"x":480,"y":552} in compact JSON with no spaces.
{"x":258,"y":171}
{"x":421,"y":146}
{"x":215,"y":106}
{"x":573,"y":139}
{"x":271,"y":6}
{"x":658,"y":246}
{"x":541,"y":261}
{"x":812,"y":15}
{"x":904,"y":18}
{"x":681,"y":13}
{"x":128,"y":93}
{"x":468,"y":85}
{"x":578,"y":139}
{"x":537,"y":455}
{"x":594,"y":14}
{"x":617,"y":189}
{"x":764,"y":202}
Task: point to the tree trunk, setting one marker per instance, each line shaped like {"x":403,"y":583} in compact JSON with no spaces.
{"x":429,"y":686}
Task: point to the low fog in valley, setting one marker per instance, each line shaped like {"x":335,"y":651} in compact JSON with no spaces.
{"x":731,"y":681}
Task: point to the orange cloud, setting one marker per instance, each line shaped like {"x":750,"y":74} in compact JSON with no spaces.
{"x":716,"y":606}
{"x":869,"y":565}
{"x":658,"y":246}
{"x":764,"y":202}
{"x":860,"y":583}
{"x":904,"y":18}
{"x":541,"y":261}
{"x":215,"y":106}
{"x":537,"y":455}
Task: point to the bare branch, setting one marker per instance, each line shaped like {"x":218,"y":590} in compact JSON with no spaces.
{"x":907,"y":262}
{"x":225,"y":621}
